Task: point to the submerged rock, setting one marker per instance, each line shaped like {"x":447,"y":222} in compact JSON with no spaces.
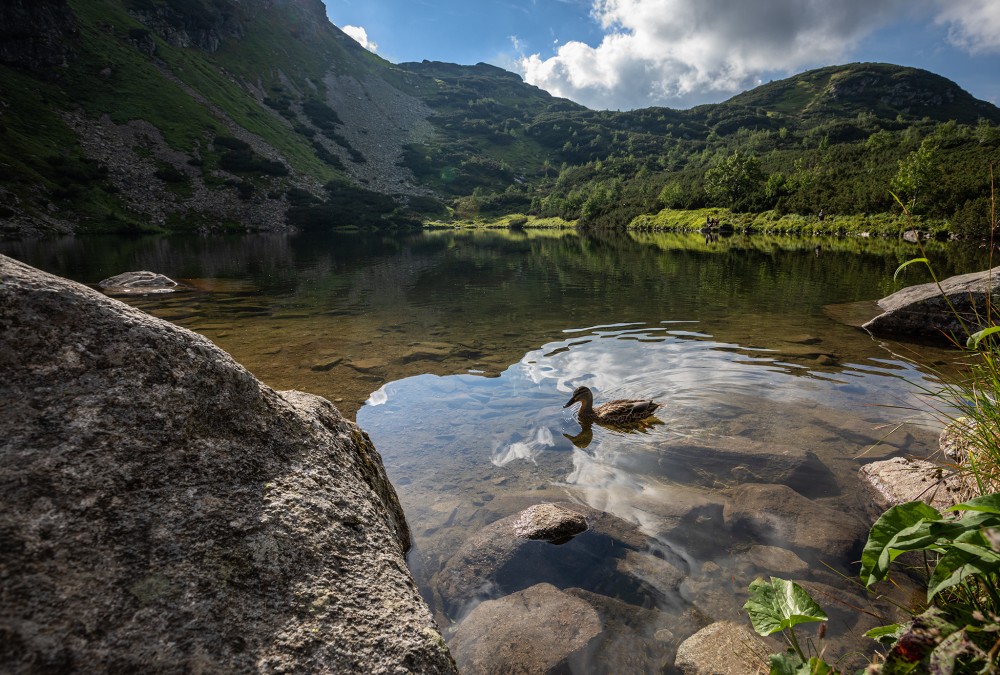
{"x":136,"y":283}
{"x":923,"y":312}
{"x":778,"y":515}
{"x":531,"y":547}
{"x":707,"y":461}
{"x":164,"y":511}
{"x":723,"y":648}
{"x":535,"y":630}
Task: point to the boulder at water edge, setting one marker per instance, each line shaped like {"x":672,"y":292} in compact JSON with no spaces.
{"x":723,"y":648}
{"x":923,"y":313}
{"x":164,"y":511}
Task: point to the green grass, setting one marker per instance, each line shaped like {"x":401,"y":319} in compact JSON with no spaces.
{"x":510,"y":221}
{"x":878,"y":225}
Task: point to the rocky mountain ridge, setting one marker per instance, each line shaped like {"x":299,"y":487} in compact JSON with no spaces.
{"x":135,"y":115}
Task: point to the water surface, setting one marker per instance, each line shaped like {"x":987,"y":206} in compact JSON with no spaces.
{"x":457,"y":350}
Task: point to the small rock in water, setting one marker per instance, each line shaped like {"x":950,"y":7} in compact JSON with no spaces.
{"x":549,"y":522}
{"x":326,"y":364}
{"x":776,"y":560}
{"x":804,"y":340}
{"x":133,"y":283}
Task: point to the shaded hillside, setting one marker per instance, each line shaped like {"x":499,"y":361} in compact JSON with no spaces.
{"x":183,"y":113}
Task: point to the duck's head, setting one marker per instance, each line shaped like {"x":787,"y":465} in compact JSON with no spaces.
{"x":581,"y":394}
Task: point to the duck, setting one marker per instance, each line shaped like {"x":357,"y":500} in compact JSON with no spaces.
{"x":622,"y":412}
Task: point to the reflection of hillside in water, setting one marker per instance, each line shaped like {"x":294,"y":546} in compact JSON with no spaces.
{"x":448,"y":302}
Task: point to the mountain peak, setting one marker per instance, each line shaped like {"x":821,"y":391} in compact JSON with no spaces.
{"x":883,"y":89}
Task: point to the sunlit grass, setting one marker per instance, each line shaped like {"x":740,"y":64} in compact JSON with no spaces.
{"x":878,"y":225}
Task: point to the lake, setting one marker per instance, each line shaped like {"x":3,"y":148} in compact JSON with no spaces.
{"x":456,"y":351}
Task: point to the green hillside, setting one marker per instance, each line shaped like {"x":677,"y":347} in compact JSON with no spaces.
{"x":126,"y":115}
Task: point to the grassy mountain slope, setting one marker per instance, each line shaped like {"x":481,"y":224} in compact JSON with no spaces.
{"x":183,"y":113}
{"x":260,"y":114}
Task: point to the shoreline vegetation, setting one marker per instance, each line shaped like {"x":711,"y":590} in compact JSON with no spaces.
{"x":767,"y":222}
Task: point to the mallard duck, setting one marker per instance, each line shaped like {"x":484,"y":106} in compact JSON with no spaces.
{"x":618,"y":413}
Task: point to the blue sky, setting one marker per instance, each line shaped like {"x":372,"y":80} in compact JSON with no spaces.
{"x":625,"y":54}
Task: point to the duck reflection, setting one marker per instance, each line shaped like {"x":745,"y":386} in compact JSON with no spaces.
{"x":586,"y":435}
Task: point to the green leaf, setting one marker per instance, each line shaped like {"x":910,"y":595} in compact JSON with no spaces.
{"x":961,"y":561}
{"x":977,"y":337}
{"x":779,"y":604}
{"x":878,"y":552}
{"x":789,"y":663}
{"x":885,"y":635}
{"x":786,"y":663}
{"x":986,"y":504}
{"x":908,"y":263}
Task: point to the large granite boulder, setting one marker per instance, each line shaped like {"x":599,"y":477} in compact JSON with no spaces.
{"x":164,"y":511}
{"x":923,"y":312}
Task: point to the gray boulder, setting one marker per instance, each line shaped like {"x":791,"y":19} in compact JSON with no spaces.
{"x":164,"y":511}
{"x":723,"y":648}
{"x":900,"y":480}
{"x":922,"y":312}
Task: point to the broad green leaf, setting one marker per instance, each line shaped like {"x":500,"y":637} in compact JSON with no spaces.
{"x":986,"y":503}
{"x":908,"y":263}
{"x":877,"y":555}
{"x":817,"y":666}
{"x":780,"y":604}
{"x":885,"y":635}
{"x":977,"y":337}
{"x":961,"y":561}
{"x":786,"y":663}
{"x":789,"y":663}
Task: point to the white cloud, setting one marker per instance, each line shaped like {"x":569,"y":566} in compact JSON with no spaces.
{"x":685,"y":52}
{"x":360,"y":35}
{"x":974,"y":25}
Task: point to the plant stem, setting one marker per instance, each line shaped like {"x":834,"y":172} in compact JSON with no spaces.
{"x":795,"y":644}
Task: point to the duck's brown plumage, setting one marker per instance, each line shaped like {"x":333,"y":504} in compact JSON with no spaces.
{"x":620,"y":412}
